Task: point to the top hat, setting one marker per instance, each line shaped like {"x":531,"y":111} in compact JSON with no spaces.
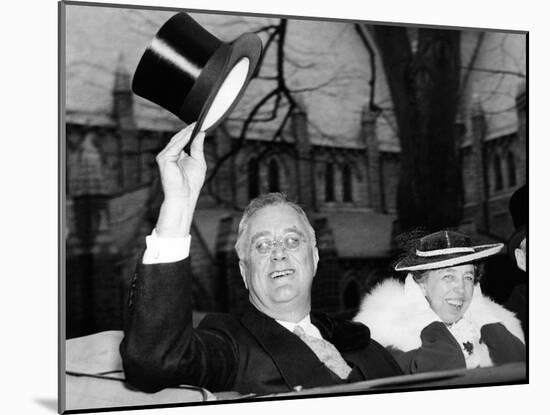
{"x":445,"y":249}
{"x":194,"y":75}
{"x":518,"y":210}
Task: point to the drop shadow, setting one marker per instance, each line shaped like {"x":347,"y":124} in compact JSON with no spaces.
{"x":47,"y":403}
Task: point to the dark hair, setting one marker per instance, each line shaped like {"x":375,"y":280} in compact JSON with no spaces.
{"x":479,"y":270}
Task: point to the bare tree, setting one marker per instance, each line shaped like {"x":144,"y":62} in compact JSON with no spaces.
{"x":423,"y":76}
{"x":276,"y":105}
{"x":426,"y":80}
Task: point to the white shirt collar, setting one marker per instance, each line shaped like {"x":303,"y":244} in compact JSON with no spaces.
{"x":305,"y":323}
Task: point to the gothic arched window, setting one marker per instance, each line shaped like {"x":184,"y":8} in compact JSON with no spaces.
{"x":511,"y":169}
{"x":329,"y":183}
{"x":347,"y":184}
{"x":253,"y":178}
{"x":273,"y":176}
{"x":498,"y":173}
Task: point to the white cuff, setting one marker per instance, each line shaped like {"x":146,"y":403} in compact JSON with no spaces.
{"x":162,"y":250}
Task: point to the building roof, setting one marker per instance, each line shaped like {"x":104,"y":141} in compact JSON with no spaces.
{"x":356,"y":234}
{"x":327,"y":64}
{"x":88,"y":177}
{"x":361,"y":234}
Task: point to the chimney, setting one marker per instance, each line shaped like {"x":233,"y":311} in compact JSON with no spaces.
{"x":304,"y":163}
{"x":372,"y":159}
{"x":479,"y":130}
{"x":123,"y":99}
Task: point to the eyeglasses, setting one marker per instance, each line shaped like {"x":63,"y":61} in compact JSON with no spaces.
{"x":290,"y":242}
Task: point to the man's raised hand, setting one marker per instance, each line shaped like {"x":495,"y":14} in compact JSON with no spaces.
{"x":182,"y":176}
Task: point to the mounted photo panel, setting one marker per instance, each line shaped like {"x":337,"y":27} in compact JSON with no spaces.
{"x":381,"y":135}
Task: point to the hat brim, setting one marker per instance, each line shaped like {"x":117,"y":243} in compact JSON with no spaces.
{"x":418,"y":263}
{"x":208,"y":84}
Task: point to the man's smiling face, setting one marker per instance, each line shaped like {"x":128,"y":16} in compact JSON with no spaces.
{"x":279,"y":262}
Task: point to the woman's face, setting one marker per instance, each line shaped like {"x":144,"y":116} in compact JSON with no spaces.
{"x":449,"y":291}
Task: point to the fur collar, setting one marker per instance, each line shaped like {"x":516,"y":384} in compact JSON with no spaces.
{"x":396,"y":313}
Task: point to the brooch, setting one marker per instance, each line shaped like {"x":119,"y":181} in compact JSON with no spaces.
{"x":469,"y":347}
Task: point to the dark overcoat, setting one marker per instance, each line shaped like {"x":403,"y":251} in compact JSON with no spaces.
{"x":249,"y":353}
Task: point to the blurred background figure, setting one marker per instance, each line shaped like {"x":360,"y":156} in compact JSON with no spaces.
{"x":517,"y":249}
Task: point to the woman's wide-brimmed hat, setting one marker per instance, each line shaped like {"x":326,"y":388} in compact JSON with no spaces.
{"x":445,"y":249}
{"x":518,"y":209}
{"x":193,"y":74}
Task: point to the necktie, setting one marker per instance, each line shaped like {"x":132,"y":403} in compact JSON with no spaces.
{"x":326,"y":352}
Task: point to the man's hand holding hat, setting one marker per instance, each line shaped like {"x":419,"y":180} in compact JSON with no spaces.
{"x":182,"y":176}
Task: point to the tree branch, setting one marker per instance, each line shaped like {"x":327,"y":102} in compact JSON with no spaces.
{"x":473,"y":58}
{"x":499,"y":72}
{"x":360,"y":29}
{"x":235,"y":148}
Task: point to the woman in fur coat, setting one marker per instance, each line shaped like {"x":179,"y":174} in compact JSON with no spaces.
{"x":439,"y":319}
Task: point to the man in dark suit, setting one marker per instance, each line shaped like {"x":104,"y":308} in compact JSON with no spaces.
{"x":278,"y":344}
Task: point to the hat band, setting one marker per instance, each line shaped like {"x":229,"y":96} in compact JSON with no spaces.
{"x":445,"y":251}
{"x":165,"y":51}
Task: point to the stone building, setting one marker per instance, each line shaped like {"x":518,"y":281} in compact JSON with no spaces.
{"x":349,"y":193}
{"x":347,"y":187}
